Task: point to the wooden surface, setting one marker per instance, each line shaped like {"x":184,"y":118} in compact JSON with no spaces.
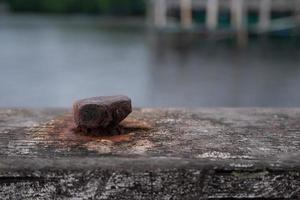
{"x":163,"y":154}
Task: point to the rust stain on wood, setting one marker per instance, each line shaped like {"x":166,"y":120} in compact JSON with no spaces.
{"x":63,"y":133}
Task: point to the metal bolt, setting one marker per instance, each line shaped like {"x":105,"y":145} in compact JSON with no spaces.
{"x":104,"y":112}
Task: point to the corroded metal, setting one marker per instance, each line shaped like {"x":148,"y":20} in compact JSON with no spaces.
{"x":102,"y":114}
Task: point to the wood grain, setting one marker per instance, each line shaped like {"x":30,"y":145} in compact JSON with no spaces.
{"x":163,"y":154}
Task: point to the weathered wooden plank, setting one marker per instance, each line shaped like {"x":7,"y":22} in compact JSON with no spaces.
{"x":164,"y":154}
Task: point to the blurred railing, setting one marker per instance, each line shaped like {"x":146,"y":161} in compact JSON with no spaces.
{"x":159,"y":15}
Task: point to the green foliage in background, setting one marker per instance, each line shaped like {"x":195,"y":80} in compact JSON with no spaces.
{"x":107,"y":7}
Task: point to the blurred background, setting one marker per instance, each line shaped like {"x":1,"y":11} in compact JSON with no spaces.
{"x":161,"y":53}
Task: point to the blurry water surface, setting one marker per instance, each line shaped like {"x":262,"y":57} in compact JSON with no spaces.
{"x":54,"y":60}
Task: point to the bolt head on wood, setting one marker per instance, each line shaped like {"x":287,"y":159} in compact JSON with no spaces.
{"x":101,"y":112}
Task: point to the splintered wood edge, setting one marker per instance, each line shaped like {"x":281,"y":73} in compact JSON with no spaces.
{"x":143,"y":163}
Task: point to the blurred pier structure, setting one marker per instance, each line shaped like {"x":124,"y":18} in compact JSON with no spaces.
{"x":244,"y":16}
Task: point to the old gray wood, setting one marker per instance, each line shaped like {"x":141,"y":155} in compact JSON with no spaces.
{"x":164,"y":154}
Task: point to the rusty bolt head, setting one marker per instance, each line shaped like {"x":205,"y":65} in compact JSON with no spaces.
{"x":101,"y":112}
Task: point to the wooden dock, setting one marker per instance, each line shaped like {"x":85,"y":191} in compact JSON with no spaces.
{"x":162,"y":15}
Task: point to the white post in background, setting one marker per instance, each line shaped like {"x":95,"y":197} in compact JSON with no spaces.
{"x":297,"y":11}
{"x":160,"y":13}
{"x":186,"y":13}
{"x":150,"y":13}
{"x":265,"y":15}
{"x":212,"y":11}
{"x":239,"y":21}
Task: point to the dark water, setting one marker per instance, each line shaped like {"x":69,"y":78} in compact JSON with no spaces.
{"x":53,"y":60}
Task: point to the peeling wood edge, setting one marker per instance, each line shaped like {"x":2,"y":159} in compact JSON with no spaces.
{"x":144,"y":163}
